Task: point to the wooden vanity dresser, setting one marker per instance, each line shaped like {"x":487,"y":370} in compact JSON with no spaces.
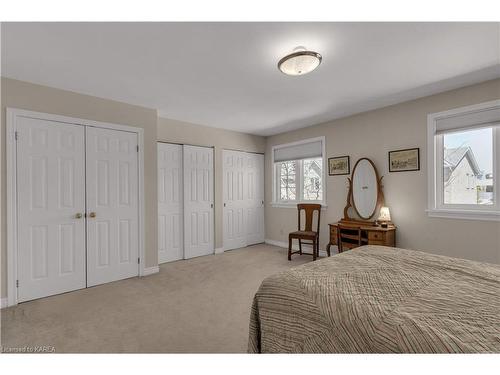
{"x":365,"y":199}
{"x":348,"y":234}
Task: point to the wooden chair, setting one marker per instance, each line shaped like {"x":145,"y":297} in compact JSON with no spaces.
{"x":307,"y":234}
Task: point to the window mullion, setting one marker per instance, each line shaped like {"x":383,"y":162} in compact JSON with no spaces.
{"x":438,"y":171}
{"x":298,"y":180}
{"x":277,"y":182}
{"x":496,"y":166}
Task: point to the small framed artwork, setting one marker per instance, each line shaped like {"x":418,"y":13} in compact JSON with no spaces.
{"x":338,"y":166}
{"x":404,"y":160}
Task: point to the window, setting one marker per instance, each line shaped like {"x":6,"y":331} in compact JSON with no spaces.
{"x":288,"y":180}
{"x":299,"y":172}
{"x":467,"y":159}
{"x":463,"y":166}
{"x":311,"y":182}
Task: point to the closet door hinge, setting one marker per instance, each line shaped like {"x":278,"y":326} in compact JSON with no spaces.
{"x":16,"y":135}
{"x":17,"y":283}
{"x":137,"y":148}
{"x":138,"y":260}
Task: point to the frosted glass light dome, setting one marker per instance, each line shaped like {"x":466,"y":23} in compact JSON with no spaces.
{"x":299,"y":62}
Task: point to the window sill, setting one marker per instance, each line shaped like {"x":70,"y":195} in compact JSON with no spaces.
{"x":294,"y":205}
{"x":464,"y":214}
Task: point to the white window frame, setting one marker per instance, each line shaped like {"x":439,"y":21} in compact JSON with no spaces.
{"x":276,"y":187}
{"x":435,"y":192}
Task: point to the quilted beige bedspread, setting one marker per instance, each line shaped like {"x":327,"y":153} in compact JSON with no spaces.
{"x":376,"y":299}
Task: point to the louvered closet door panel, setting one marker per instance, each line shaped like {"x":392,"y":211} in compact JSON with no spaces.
{"x":170,"y":203}
{"x":112,"y":196}
{"x":198,"y":201}
{"x":50,"y":194}
{"x":234,"y":210}
{"x":254,"y":198}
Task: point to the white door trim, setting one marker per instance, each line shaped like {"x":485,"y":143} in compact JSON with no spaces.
{"x":11,"y":115}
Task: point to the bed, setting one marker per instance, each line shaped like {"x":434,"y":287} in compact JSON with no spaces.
{"x":376,"y":299}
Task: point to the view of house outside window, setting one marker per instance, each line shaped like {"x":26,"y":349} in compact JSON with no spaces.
{"x":313,"y":171}
{"x":468,"y":167}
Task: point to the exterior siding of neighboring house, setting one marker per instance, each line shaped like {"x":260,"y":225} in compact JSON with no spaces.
{"x":461,"y":185}
{"x":486,"y":189}
{"x":461,"y":177}
{"x":313,"y":186}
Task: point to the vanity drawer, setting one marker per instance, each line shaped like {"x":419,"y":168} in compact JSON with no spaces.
{"x":376,"y":236}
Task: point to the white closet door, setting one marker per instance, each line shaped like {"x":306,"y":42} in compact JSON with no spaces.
{"x":234,"y":210}
{"x":50,"y":198}
{"x":112,"y":206}
{"x":170,"y":203}
{"x":254,"y":198}
{"x":198,"y":201}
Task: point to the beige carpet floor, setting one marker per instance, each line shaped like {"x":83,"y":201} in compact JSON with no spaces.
{"x":201,"y":305}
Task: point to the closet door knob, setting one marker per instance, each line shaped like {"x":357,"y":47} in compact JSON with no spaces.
{"x":78,"y":216}
{"x":92,"y":214}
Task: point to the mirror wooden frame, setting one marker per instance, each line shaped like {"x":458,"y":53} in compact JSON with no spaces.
{"x":350,"y":199}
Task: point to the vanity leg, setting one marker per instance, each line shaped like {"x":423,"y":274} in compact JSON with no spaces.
{"x":289,"y":248}
{"x":328,"y":249}
{"x":300,"y":246}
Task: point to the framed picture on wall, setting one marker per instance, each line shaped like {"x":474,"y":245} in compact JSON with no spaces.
{"x":338,"y":166}
{"x":404,"y":160}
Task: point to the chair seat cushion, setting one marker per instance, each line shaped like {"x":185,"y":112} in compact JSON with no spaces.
{"x":303,"y":233}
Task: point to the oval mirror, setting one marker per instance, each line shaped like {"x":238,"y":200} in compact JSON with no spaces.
{"x":364,"y":188}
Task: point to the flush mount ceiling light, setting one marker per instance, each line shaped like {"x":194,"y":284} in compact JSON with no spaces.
{"x":299,"y":62}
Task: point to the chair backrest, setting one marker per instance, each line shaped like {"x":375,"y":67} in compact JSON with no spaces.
{"x":309,"y":209}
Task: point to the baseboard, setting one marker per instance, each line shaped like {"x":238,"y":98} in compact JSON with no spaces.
{"x":277,"y":243}
{"x":219,"y":250}
{"x":295,"y":246}
{"x":151,"y":270}
{"x":3,"y":303}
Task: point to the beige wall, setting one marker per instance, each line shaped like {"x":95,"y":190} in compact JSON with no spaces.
{"x":186,"y":133}
{"x":18,"y":94}
{"x":373,"y":134}
{"x":370,"y":134}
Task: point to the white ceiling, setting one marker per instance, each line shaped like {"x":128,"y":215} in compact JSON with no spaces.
{"x":224,"y":74}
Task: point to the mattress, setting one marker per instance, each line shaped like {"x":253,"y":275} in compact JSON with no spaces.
{"x":376,"y":299}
